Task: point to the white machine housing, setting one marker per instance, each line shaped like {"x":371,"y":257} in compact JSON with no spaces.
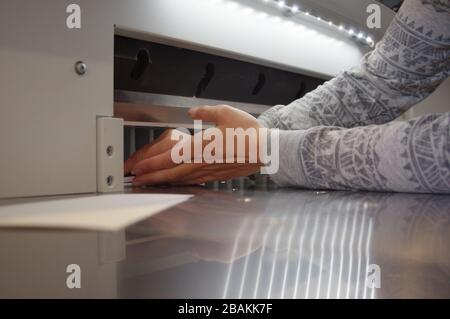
{"x":56,"y":126}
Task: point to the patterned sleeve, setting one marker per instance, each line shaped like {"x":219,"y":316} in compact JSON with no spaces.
{"x":411,"y":156}
{"x":406,"y":66}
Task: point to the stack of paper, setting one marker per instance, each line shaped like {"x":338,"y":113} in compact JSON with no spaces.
{"x":96,"y":212}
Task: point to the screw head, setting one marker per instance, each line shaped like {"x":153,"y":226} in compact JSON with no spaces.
{"x":110,"y":180}
{"x":110,"y":151}
{"x":80,"y":67}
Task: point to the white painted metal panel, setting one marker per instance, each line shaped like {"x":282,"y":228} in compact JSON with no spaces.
{"x":48,"y":112}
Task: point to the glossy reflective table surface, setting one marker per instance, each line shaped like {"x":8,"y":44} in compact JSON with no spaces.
{"x":246,"y":244}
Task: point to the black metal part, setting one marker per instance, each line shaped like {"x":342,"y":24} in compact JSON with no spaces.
{"x":143,"y":59}
{"x":260,"y":84}
{"x":181,"y":72}
{"x":301,"y":91}
{"x":204,"y":82}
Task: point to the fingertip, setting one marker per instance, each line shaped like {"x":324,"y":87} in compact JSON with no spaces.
{"x":136,"y":182}
{"x":193,"y":111}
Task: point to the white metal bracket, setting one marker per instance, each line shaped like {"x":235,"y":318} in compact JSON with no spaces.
{"x":109,"y":155}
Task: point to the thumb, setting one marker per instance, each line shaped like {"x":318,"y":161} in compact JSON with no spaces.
{"x":208,"y":113}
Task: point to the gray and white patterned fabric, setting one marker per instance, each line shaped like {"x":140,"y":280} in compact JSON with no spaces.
{"x":336,"y":136}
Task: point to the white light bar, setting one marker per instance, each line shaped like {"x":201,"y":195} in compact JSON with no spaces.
{"x":358,"y":36}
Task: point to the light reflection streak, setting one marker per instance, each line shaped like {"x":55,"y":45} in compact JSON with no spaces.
{"x":333,"y":247}
{"x":311,"y":259}
{"x":372,"y":295}
{"x":261,"y":259}
{"x":322,"y":254}
{"x":274,"y":263}
{"x":341,"y":261}
{"x":350,"y":251}
{"x":247,"y":257}
{"x":300,"y":253}
{"x":342,"y":238}
{"x":368,"y":241}
{"x":233,"y":256}
{"x":286,"y":267}
{"x":360,"y":240}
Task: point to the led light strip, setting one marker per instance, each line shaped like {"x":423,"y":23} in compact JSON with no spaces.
{"x":295,"y":10}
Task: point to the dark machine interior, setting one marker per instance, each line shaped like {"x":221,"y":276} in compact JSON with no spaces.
{"x":162,"y":69}
{"x":157,"y":69}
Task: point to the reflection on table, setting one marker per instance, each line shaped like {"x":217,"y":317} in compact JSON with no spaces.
{"x":292,"y":244}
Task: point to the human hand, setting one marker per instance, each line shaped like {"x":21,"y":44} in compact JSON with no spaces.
{"x":154,"y":164}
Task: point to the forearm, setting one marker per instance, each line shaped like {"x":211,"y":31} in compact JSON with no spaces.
{"x":409,"y":156}
{"x":407,"y":65}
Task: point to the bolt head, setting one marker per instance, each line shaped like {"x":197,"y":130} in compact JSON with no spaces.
{"x":110,"y":150}
{"x":80,"y":67}
{"x":110,"y":180}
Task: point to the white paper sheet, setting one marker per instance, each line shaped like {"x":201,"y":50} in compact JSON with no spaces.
{"x":97,"y":212}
